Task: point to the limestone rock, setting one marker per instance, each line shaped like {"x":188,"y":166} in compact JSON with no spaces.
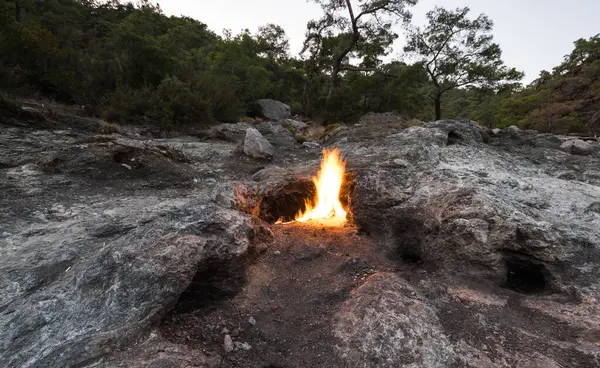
{"x":102,"y":284}
{"x":514,"y":130}
{"x":228,"y":344}
{"x":298,"y":125}
{"x":387,"y":323}
{"x":577,"y":147}
{"x":256,"y":146}
{"x":274,"y":110}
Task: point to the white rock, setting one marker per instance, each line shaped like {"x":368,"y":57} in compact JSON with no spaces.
{"x":228,"y":344}
{"x":298,"y":125}
{"x":577,"y":147}
{"x":257,"y":146}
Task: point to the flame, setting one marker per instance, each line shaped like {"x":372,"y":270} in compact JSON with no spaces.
{"x":328,"y":182}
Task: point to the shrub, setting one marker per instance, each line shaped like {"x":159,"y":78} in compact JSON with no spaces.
{"x":331,"y":127}
{"x":254,"y":110}
{"x":7,"y":103}
{"x":300,"y":138}
{"x":289,"y":127}
{"x":107,"y":128}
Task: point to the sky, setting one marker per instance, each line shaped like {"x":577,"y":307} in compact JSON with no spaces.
{"x":534,"y":35}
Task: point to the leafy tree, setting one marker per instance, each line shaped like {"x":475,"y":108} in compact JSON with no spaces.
{"x":348,"y":30}
{"x":585,"y":52}
{"x":458,"y":52}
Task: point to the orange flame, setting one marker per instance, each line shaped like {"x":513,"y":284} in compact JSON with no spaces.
{"x":328,"y":182}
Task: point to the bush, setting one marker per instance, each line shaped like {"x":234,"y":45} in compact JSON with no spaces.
{"x":289,"y":127}
{"x":254,"y":110}
{"x":296,"y":108}
{"x":330,"y":128}
{"x":175,"y":104}
{"x":129,"y":103}
{"x":300,"y":138}
{"x":8,"y":104}
{"x":107,"y":128}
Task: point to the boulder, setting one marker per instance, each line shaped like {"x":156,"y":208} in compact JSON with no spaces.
{"x":496,"y":131}
{"x":514,"y":130}
{"x":387,"y":323}
{"x":274,"y":110}
{"x":97,"y":287}
{"x":473,"y":209}
{"x":256,"y":146}
{"x":297,"y":125}
{"x":546,"y":140}
{"x":460,"y":131}
{"x":577,"y":147}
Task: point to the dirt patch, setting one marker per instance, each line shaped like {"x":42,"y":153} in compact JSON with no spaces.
{"x":284,"y":312}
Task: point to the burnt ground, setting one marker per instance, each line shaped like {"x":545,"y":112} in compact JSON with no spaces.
{"x":294,"y":290}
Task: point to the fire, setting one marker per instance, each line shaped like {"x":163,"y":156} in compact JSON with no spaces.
{"x":328,"y":182}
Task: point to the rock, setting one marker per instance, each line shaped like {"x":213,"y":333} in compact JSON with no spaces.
{"x":156,"y":352}
{"x":387,"y":323}
{"x":546,"y":141}
{"x":514,"y":130}
{"x":298,"y":125}
{"x":228,"y":344}
{"x":277,"y":135}
{"x":459,"y":131}
{"x":256,"y":146}
{"x":252,"y":321}
{"x":577,"y":147}
{"x":274,"y":110}
{"x":496,"y":131}
{"x":242,"y":346}
{"x":472,"y":210}
{"x":104,"y":274}
{"x":311,"y":145}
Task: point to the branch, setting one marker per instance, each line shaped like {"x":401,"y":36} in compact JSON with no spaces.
{"x":363,"y":69}
{"x":352,"y":19}
{"x":443,"y":46}
{"x":371,"y":11}
{"x":433,"y":76}
{"x":463,"y":84}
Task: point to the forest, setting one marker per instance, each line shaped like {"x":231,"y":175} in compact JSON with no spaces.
{"x":131,"y":63}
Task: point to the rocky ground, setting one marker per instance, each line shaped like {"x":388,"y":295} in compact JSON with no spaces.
{"x":466,"y":248}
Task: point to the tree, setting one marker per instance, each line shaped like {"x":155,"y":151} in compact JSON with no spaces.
{"x":458,"y":52}
{"x":362,"y":31}
{"x":585,"y":52}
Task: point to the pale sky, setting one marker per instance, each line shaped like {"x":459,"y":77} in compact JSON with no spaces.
{"x":533,"y":34}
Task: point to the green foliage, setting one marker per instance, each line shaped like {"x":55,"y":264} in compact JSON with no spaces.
{"x":132,"y":64}
{"x":457,"y":52}
{"x":346,"y":31}
{"x":331,"y":127}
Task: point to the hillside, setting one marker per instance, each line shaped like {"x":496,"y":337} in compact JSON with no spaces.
{"x":130,"y":63}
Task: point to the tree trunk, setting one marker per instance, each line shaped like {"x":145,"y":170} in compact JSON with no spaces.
{"x":306,"y":100}
{"x":333,"y":81}
{"x":18,"y":11}
{"x":437,"y":100}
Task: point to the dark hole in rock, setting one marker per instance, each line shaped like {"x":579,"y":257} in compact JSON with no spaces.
{"x":216,"y":281}
{"x":454,"y":138}
{"x":123,"y":157}
{"x":410,"y":233}
{"x":524,"y":274}
{"x":288,"y":199}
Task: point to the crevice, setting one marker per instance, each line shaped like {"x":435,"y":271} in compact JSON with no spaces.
{"x":410,"y":233}
{"x":216,"y":281}
{"x":524,"y":274}
{"x":454,"y":138}
{"x":287,"y":200}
